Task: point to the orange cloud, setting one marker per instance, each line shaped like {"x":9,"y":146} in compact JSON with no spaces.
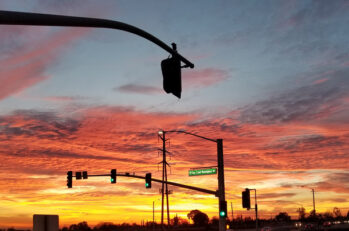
{"x":204,"y":77}
{"x":320,"y":81}
{"x":276,"y":159}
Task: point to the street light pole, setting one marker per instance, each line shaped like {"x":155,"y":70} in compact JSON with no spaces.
{"x":256,"y":207}
{"x":313,"y":191}
{"x":313,"y":201}
{"x":153,"y":212}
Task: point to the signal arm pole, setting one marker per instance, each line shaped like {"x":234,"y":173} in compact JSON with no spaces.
{"x":255,"y":206}
{"x":221,"y":187}
{"x":35,"y":19}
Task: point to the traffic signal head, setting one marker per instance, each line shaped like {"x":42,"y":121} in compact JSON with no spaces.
{"x":148,"y":180}
{"x":84,"y":175}
{"x":246,"y":202}
{"x":78,"y":175}
{"x":223,"y":209}
{"x":113,"y":176}
{"x":70,"y":179}
{"x":171,"y":73}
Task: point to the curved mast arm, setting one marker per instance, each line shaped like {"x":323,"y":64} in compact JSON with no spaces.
{"x":35,"y":19}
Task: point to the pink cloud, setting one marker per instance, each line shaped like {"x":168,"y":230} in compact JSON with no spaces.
{"x":204,"y":77}
{"x":47,"y":144}
{"x":62,"y":98}
{"x":320,"y":81}
{"x":26,"y":67}
{"x":140,"y":89}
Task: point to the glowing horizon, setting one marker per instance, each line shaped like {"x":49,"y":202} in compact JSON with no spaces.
{"x":270,"y":80}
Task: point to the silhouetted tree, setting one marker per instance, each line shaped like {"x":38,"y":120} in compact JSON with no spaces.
{"x":178,"y":221}
{"x":337,"y":212}
{"x":82,"y":226}
{"x":215,"y":221}
{"x":192,"y":213}
{"x":106,"y":226}
{"x":175,"y":221}
{"x":282,"y":216}
{"x":199,"y":218}
{"x":248,"y":219}
{"x":301,"y":213}
{"x":328,"y":216}
{"x":312,"y":215}
{"x":348,"y":214}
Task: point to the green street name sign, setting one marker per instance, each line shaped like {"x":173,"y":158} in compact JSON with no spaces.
{"x":198,"y":172}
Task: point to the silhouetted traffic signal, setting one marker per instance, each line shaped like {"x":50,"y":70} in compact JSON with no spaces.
{"x":84,"y":175}
{"x":148,"y":180}
{"x":223,"y":208}
{"x":171,"y":73}
{"x":246,"y":202}
{"x":78,"y":175}
{"x":70,"y":179}
{"x":113,"y":176}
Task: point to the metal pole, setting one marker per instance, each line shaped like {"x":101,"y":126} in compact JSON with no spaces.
{"x":160,"y":181}
{"x":163,"y":178}
{"x":153,"y":215}
{"x":221,"y":188}
{"x":232,"y":213}
{"x":168,"y":205}
{"x":256,"y":208}
{"x":313,"y":201}
{"x":24,"y":18}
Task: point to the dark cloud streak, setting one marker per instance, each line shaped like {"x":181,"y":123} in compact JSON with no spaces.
{"x":306,"y":103}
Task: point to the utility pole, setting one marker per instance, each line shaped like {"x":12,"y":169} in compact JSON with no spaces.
{"x":232,"y":212}
{"x":164,"y":188}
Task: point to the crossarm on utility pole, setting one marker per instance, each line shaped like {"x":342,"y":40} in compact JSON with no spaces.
{"x":35,"y":19}
{"x":160,"y":181}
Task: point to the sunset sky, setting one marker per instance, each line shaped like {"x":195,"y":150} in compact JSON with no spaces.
{"x":271,"y":79}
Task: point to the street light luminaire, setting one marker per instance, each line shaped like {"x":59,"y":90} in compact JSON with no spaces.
{"x":160,"y":132}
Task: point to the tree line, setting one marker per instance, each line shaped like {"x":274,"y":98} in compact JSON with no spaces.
{"x":197,"y":219}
